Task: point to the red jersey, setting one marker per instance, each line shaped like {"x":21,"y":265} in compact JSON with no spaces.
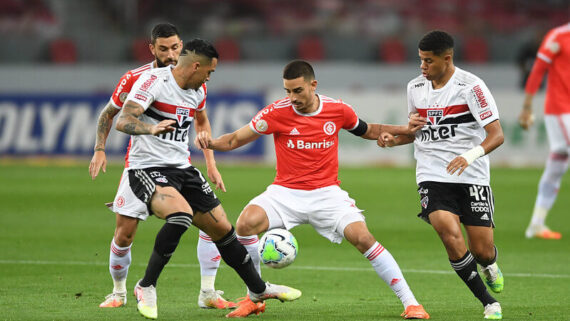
{"x":553,"y":56}
{"x":126,"y":83}
{"x":306,"y":145}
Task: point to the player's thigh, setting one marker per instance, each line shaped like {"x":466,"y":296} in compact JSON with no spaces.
{"x":558,"y":131}
{"x":167,"y":200}
{"x":357,"y":234}
{"x":125,"y":230}
{"x":252,"y":221}
{"x":481,"y":241}
{"x":448,"y":227}
{"x":213,"y":222}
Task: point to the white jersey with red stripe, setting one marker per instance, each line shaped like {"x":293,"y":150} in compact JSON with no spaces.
{"x":158,"y":93}
{"x":306,"y":145}
{"x":125,"y":84}
{"x":457,"y":114}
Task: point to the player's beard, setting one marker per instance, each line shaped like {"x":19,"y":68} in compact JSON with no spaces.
{"x":161,"y":64}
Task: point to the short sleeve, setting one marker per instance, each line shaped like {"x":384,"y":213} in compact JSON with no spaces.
{"x":411,"y":106}
{"x":263,"y":123}
{"x":202,"y":104}
{"x":549,"y":48}
{"x":122,"y":90}
{"x":482,"y":104}
{"x":350,"y":117}
{"x":144,"y":90}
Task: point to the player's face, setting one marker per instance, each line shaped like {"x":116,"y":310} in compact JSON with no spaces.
{"x":166,"y":50}
{"x":434,"y":67}
{"x":202,"y":73}
{"x":302,"y":94}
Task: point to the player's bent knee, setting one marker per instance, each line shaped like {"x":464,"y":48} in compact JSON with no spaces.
{"x":251,"y":222}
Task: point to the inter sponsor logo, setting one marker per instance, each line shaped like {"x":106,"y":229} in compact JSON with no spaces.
{"x":437,"y":133}
{"x":301,"y":144}
{"x":480,"y":96}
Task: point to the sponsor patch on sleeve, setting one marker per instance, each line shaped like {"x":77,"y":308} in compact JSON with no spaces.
{"x":486,"y":115}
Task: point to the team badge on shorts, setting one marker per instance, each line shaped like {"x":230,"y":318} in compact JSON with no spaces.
{"x":182,"y":115}
{"x":329,"y":128}
{"x":120,"y":201}
{"x":424,"y":201}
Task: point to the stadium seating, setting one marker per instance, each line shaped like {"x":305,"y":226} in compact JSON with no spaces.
{"x":63,"y":51}
{"x":310,"y":48}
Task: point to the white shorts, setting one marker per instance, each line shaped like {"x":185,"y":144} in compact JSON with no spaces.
{"x":329,"y":209}
{"x":127,"y":203}
{"x":558,"y":131}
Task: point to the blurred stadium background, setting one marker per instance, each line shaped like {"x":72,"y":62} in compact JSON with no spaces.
{"x":60,"y":61}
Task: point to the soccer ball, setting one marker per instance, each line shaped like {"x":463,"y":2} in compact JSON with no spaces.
{"x":278,"y":248}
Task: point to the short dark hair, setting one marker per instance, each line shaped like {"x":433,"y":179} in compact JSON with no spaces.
{"x":436,"y":41}
{"x":298,"y":68}
{"x":163,"y":30}
{"x":201,"y":48}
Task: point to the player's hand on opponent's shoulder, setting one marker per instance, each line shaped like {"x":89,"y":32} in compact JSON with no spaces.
{"x":416,"y":122}
{"x":457,"y":164}
{"x":526,"y":118}
{"x":386,"y":140}
{"x":164,"y":126}
{"x":98,"y":162}
{"x":203,"y":140}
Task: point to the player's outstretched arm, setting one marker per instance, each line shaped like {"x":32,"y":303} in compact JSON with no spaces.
{"x":493,"y":140}
{"x":226,"y":142}
{"x":129,"y":122}
{"x":202,"y":124}
{"x":104,"y":123}
{"x":389,"y":140}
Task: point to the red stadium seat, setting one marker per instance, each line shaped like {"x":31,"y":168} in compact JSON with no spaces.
{"x":228,"y":49}
{"x":63,"y":51}
{"x":310,"y":48}
{"x":392,"y":51}
{"x":140,"y":52}
{"x":475,"y":50}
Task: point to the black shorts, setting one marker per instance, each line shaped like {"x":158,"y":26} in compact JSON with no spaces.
{"x":474,"y":204}
{"x":188,"y":181}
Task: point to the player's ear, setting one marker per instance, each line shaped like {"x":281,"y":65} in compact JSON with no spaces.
{"x":314,"y":84}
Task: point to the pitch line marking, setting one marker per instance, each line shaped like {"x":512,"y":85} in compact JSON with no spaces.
{"x":292,"y":267}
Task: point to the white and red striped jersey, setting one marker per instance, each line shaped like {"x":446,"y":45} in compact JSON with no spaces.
{"x":457,"y":114}
{"x":158,"y":93}
{"x":306,"y":145}
{"x":126,"y":83}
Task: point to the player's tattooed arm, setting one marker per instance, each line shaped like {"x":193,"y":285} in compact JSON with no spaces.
{"x":130,"y":123}
{"x":104,"y":124}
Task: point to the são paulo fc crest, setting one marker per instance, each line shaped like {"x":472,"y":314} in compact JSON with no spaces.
{"x":329,"y":128}
{"x":182,"y":115}
{"x":424,"y":201}
{"x":434,"y":115}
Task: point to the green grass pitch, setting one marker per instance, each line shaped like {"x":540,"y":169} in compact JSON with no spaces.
{"x":55,"y":234}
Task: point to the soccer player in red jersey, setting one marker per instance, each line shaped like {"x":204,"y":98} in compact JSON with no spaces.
{"x":165,"y":45}
{"x":306,"y":190}
{"x":553,"y":57}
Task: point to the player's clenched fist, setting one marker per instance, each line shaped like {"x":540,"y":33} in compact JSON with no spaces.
{"x":386,"y":140}
{"x":416,"y":122}
{"x":203,"y":140}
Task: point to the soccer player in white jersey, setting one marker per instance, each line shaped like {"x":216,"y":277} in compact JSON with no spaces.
{"x":553,"y":57}
{"x":456,"y":125}
{"x":160,"y":180}
{"x":165,"y":45}
{"x":306,"y":190}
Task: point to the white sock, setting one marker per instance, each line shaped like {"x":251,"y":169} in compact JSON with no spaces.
{"x":209,"y":258}
{"x":250,"y":243}
{"x":119,"y":262}
{"x":389,"y":271}
{"x":556,"y":166}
